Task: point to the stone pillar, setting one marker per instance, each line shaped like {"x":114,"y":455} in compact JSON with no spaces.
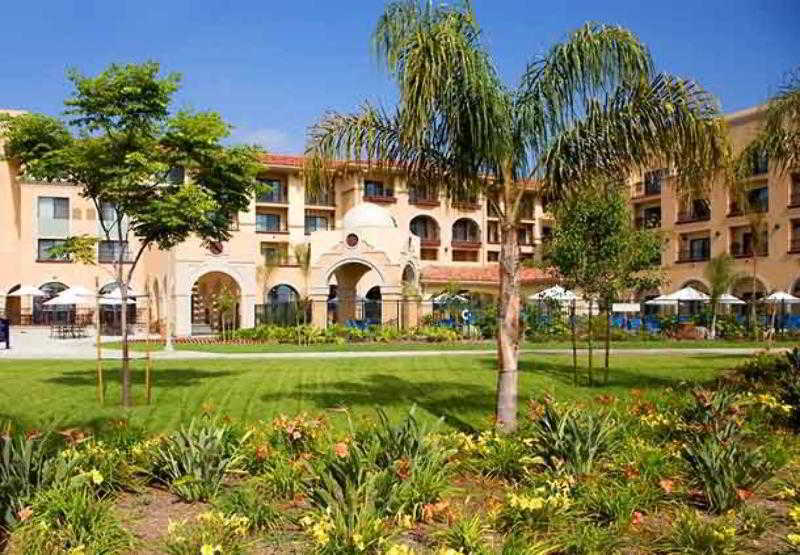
{"x":390,"y":311}
{"x":411,"y":312}
{"x":346,"y":309}
{"x":182,"y":315}
{"x":247,"y":311}
{"x":319,"y":311}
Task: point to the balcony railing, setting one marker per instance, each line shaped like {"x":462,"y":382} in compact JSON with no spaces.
{"x":468,"y":205}
{"x":741,"y":251}
{"x":321,"y":199}
{"x":753,"y":208}
{"x":468,"y":244}
{"x":275,"y":196}
{"x":647,"y":223}
{"x":431,"y":241}
{"x":693,"y":216}
{"x":649,"y":187}
{"x":265,"y":227}
{"x":423,"y":198}
{"x":382,"y":199}
{"x":687,"y":255}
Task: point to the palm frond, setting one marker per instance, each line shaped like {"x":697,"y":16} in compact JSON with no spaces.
{"x":669,"y":120}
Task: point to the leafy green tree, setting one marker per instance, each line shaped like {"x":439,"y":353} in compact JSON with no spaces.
{"x":596,"y":248}
{"x":720,"y":274}
{"x":591,"y":105}
{"x":128,"y":153}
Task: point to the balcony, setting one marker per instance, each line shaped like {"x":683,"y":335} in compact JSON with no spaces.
{"x":468,"y":244}
{"x":644,"y":222}
{"x":423,"y":198}
{"x":693,"y":216}
{"x":739,"y":250}
{"x":270,"y":223}
{"x":380,"y":199}
{"x":466,"y":205}
{"x":652,"y":184}
{"x":275,"y":196}
{"x":696,"y":255}
{"x":430,"y":241}
{"x":325,"y":199}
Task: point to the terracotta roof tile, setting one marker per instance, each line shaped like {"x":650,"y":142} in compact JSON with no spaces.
{"x":488,"y":273}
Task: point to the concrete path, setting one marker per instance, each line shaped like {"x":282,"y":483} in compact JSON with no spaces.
{"x":36,"y":343}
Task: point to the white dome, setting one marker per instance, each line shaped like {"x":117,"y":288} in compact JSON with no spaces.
{"x":367,"y":214}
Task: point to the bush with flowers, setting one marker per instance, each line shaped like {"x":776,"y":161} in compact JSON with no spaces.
{"x":209,"y":533}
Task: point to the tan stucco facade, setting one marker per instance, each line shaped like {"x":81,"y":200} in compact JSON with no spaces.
{"x":399,"y":239}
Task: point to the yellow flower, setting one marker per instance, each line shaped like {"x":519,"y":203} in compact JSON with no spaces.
{"x":794,"y":513}
{"x":209,"y":549}
{"x":400,"y":549}
{"x":358,"y":541}
{"x":793,"y":539}
{"x":97,"y":478}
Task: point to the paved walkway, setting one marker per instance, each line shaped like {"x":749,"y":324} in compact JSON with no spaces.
{"x":36,"y":343}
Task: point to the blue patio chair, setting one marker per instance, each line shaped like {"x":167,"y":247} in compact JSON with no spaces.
{"x":617,"y":321}
{"x":792,"y":321}
{"x":635,"y":323}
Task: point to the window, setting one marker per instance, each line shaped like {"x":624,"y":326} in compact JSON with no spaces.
{"x":53,"y":216}
{"x":759,"y":162}
{"x":275,"y":191}
{"x":316,"y":222}
{"x":694,"y":210}
{"x":794,"y":199}
{"x":758,"y":199}
{"x":275,"y":253}
{"x":525,"y":234}
{"x":376,"y":189}
{"x":527,"y":208}
{"x":650,"y":218}
{"x":44,"y":247}
{"x":493,"y":233}
{"x":425,"y":228}
{"x":695,"y":249}
{"x":326,"y":197}
{"x":422,"y":195}
{"x":428,"y":254}
{"x":493,"y":256}
{"x":465,"y":255}
{"x":176,"y":176}
{"x":268,"y":223}
{"x":653,"y":180}
{"x":794,"y":239}
{"x":109,"y":251}
{"x":282,"y":294}
{"x":467,"y":231}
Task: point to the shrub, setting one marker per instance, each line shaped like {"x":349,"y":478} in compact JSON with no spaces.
{"x":497,"y":456}
{"x":70,"y":519}
{"x":209,"y":532}
{"x":28,"y":463}
{"x":466,"y":536}
{"x":726,"y":471}
{"x":109,"y":462}
{"x":693,"y":533}
{"x":763,"y":369}
{"x":532,"y":510}
{"x":572,"y":437}
{"x":193,"y":461}
{"x":253,"y":501}
{"x":615,"y":502}
{"x":298,"y":434}
{"x":415,"y":483}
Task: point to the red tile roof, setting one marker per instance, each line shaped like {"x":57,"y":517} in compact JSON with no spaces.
{"x":486,"y":274}
{"x":285,"y":160}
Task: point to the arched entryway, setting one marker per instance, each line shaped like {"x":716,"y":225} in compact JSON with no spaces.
{"x":111,"y":312}
{"x":744,"y":289}
{"x":13,"y":308}
{"x":282,"y":306}
{"x":216,"y":300}
{"x":42,"y":315}
{"x":346,"y":307}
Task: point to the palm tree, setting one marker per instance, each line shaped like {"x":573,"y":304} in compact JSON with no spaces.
{"x":591,"y":107}
{"x":720,"y":274}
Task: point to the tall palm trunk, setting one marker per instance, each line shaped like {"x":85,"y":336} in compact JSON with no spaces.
{"x":753,"y":326}
{"x":508,"y":329}
{"x":713,"y":331}
{"x":591,"y":348}
{"x":608,"y":340}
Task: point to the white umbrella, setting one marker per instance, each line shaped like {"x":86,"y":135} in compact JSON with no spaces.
{"x":779,"y":297}
{"x":686,"y":294}
{"x":27,"y":291}
{"x":556,"y":293}
{"x":727,"y":298}
{"x":448,"y":298}
{"x":69,"y":298}
{"x":662,"y":301}
{"x":78,"y":291}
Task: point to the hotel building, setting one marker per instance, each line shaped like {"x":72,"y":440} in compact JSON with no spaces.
{"x":369,"y":238}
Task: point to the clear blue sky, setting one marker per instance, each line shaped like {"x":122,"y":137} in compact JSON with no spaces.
{"x":272,"y":67}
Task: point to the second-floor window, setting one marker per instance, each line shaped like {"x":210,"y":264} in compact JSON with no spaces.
{"x":274,"y":253}
{"x":45,"y":250}
{"x":695,"y":249}
{"x":759,"y":162}
{"x":316,"y":223}
{"x":275,"y":191}
{"x":268,"y":223}
{"x":525,"y":234}
{"x":377,"y":189}
{"x":53,"y":216}
{"x":467,"y":231}
{"x":653,"y":181}
{"x":794,"y":238}
{"x":794,"y":199}
{"x":109,"y":251}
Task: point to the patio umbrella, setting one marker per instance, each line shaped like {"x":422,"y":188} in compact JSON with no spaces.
{"x":727,"y":298}
{"x":686,"y":294}
{"x":779,"y":297}
{"x":555,"y":293}
{"x":445,"y":298}
{"x":27,"y":291}
{"x":78,"y":291}
{"x":69,"y":297}
{"x":115,"y":297}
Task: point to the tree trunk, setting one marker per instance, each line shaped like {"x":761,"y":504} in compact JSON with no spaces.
{"x":753,"y":300}
{"x":508,"y":330}
{"x":591,"y":351}
{"x":608,"y":339}
{"x":574,"y":344}
{"x":126,"y":369}
{"x":168,"y":346}
{"x":712,"y":333}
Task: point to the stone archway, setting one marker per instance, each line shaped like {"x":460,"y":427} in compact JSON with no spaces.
{"x":348,"y":306}
{"x":215,"y":302}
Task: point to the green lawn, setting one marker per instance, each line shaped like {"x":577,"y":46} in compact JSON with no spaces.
{"x":473,"y":345}
{"x":460,"y":389}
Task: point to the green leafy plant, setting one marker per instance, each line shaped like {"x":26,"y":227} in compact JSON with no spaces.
{"x":726,"y":471}
{"x":70,"y":519}
{"x":466,"y":535}
{"x":193,"y":461}
{"x":251,"y":500}
{"x":210,"y":532}
{"x":571,"y":437}
{"x":693,"y":533}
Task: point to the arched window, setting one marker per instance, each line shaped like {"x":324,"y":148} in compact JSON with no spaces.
{"x":425,"y":228}
{"x":282,"y":294}
{"x":372,"y":306}
{"x":409,"y":276}
{"x":696,"y":284}
{"x":467,"y":231}
{"x":50,"y":289}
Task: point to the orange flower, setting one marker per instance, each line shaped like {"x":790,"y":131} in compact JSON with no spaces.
{"x":24,"y":514}
{"x":667,"y":485}
{"x":638,"y":518}
{"x":340,"y":449}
